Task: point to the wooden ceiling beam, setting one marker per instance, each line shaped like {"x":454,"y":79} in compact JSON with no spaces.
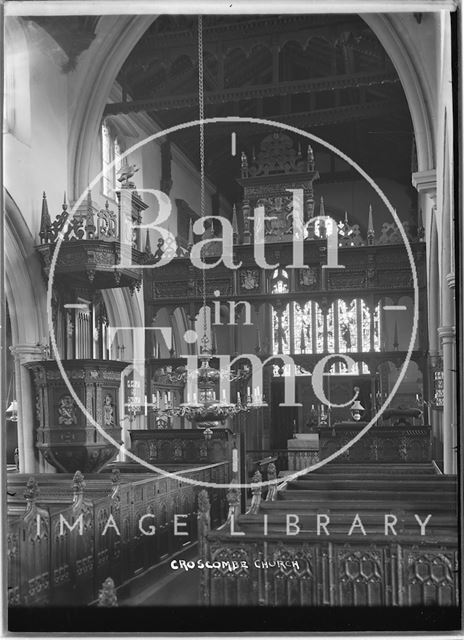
{"x":311,"y":85}
{"x":305,"y":120}
{"x":238,"y":32}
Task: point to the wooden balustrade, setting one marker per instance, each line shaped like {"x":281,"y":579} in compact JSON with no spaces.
{"x":181,"y":446}
{"x":302,"y":458}
{"x":380,"y":444}
{"x":110,"y":517}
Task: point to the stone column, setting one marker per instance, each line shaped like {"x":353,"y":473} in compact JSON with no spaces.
{"x":426,"y":184}
{"x":448,"y":342}
{"x":28,"y":458}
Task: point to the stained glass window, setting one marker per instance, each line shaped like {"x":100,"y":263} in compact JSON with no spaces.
{"x":303,"y":320}
{"x":282,"y":333}
{"x":309,"y":327}
{"x":347,"y":326}
{"x":279,"y":281}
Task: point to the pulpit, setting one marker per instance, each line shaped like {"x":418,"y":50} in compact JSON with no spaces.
{"x":65,"y":436}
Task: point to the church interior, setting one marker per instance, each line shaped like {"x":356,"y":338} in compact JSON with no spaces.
{"x":229,"y":319}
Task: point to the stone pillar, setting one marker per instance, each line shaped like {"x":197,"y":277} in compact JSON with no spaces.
{"x":448,"y":341}
{"x":426,"y":184}
{"x":28,"y":457}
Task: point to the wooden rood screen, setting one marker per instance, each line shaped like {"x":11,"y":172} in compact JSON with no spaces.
{"x":55,"y":562}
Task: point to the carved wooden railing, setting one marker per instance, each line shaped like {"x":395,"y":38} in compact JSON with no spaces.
{"x":50,"y":564}
{"x":379,"y":444}
{"x":181,"y":446}
{"x":381,"y":269}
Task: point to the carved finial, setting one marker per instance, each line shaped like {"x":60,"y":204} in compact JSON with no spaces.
{"x":310,"y":158}
{"x":299,"y":149}
{"x":147,"y":243}
{"x":32,"y":490}
{"x":107,"y":594}
{"x":64,"y":206}
{"x":203,"y":501}
{"x":257,"y":478}
{"x":234,"y":223}
{"x":244,"y":164}
{"x":272,"y":488}
{"x":115,"y":477}
{"x":396,"y":344}
{"x":89,"y":218}
{"x":256,"y":491}
{"x":370,"y":228}
{"x":78,"y":483}
{"x":271,"y":471}
{"x":321,"y":225}
{"x":346,"y":217}
{"x":233,"y":497}
{"x":45,"y":222}
{"x":190,"y":235}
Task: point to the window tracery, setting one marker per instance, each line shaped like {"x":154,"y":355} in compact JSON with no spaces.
{"x":344,"y":326}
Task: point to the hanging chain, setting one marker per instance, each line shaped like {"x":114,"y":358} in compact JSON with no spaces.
{"x":201,"y":106}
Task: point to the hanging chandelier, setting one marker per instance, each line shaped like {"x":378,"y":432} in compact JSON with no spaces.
{"x":204,"y":409}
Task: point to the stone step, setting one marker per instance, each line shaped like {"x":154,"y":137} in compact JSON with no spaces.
{"x":394,"y":484}
{"x":359,"y":496}
{"x":341,"y":517}
{"x":313,"y":477}
{"x":377,"y":469}
{"x":365,"y":494}
{"x":354,"y":505}
{"x":343,"y":530}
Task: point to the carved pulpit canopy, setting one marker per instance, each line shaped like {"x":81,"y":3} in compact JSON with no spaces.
{"x":95,"y":252}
